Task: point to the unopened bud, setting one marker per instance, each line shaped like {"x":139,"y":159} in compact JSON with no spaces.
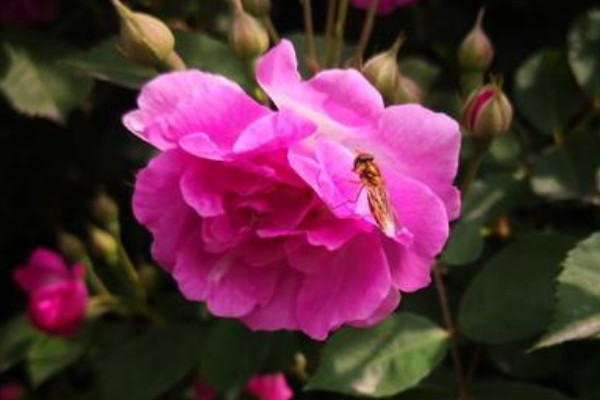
{"x":248,"y":38}
{"x":382,"y":71}
{"x":104,"y":245}
{"x":149,"y":278}
{"x":476,"y":51}
{"x":144,"y":39}
{"x":106,"y":212}
{"x":407,"y":91}
{"x":71,"y":246}
{"x":258,"y":8}
{"x":487,"y":113}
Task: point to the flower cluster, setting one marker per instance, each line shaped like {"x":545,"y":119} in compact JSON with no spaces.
{"x":57,"y":294}
{"x":260,"y":214}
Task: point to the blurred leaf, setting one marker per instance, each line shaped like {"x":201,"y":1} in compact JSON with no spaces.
{"x":35,"y":82}
{"x":545,"y":91}
{"x":485,"y":201}
{"x":568,"y":171}
{"x":516,"y":361}
{"x":16,"y":337}
{"x":578,"y":309}
{"x":50,"y":355}
{"x":584,"y":52}
{"x":104,"y":62}
{"x":513,"y":391}
{"x":421,"y":71}
{"x":204,"y":53}
{"x":381,"y":361}
{"x":231,"y":354}
{"x":146,"y":367}
{"x":511,"y":297}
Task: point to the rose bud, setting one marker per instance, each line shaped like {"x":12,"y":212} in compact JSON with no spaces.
{"x":71,"y":246}
{"x":57,"y":294}
{"x":407,"y":91}
{"x":106,"y":211}
{"x":203,"y":391}
{"x":487,"y":113}
{"x":146,"y":40}
{"x":258,"y":8}
{"x":476,"y":51}
{"x":104,"y":245}
{"x":269,"y":387}
{"x":247,"y":37}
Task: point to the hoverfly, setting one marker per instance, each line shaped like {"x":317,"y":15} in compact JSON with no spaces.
{"x":379,"y":205}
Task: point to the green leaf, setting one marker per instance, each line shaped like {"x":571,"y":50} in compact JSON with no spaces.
{"x":511,"y":298}
{"x":146,"y":367}
{"x":513,"y":391}
{"x":204,"y":53}
{"x":34,"y":81}
{"x":49,"y":356}
{"x":381,"y":361}
{"x":584,"y":52}
{"x":545,"y":91}
{"x":106,"y":63}
{"x":516,"y":361}
{"x":421,"y":71}
{"x":231,"y":354}
{"x":568,"y":171}
{"x":578,"y":310}
{"x":465,"y":244}
{"x":16,"y":336}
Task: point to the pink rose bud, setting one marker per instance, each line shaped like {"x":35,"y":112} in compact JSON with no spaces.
{"x":258,"y":8}
{"x":57,"y":294}
{"x":203,"y":391}
{"x":10,"y":391}
{"x":476,"y":51}
{"x":269,"y":387}
{"x":146,"y":40}
{"x":24,"y":12}
{"x":248,"y":38}
{"x":384,"y":6}
{"x":487,"y":113}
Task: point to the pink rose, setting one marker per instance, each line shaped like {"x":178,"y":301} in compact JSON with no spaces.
{"x":203,"y":391}
{"x":27,"y":11}
{"x":269,"y":387}
{"x":384,"y":6}
{"x":10,"y":391}
{"x":260,"y":214}
{"x":57,"y":295}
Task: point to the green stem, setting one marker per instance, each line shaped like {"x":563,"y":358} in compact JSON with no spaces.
{"x":93,"y":278}
{"x":270,"y":27}
{"x":365,"y":34}
{"x":338,"y":33}
{"x":329,"y":24}
{"x":309,"y":37}
{"x":480,"y":150}
{"x":130,"y":271}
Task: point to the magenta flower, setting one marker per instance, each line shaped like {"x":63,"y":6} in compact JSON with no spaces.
{"x":203,"y":391}
{"x":384,"y":6}
{"x":10,"y":391}
{"x":27,"y":11}
{"x":269,"y":387}
{"x":260,"y":213}
{"x":57,"y":294}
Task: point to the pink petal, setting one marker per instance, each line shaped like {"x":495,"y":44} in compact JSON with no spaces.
{"x":387,"y":306}
{"x":274,"y":131}
{"x":424,"y":145}
{"x":43,"y":267}
{"x":178,"y":104}
{"x":384,"y":6}
{"x":351,"y":286}
{"x":269,"y":387}
{"x":159,"y":205}
{"x":199,"y":190}
{"x":229,"y":287}
{"x":410,"y":271}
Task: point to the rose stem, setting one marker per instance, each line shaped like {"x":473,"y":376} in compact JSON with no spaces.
{"x":309,"y":37}
{"x":329,"y":30}
{"x":365,"y":34}
{"x":338,"y":32}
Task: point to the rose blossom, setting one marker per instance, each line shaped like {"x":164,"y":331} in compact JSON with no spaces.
{"x":27,"y":11}
{"x":258,"y":213}
{"x":384,"y":6}
{"x":57,"y":294}
{"x":269,"y":387}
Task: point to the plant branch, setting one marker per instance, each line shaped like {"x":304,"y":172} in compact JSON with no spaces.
{"x":338,"y":33}
{"x":365,"y":34}
{"x":309,"y":37}
{"x":329,"y":24}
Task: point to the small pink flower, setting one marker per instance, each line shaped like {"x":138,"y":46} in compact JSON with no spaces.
{"x":269,"y":387}
{"x":57,"y":295}
{"x":259,"y":214}
{"x":384,"y":6}
{"x":203,"y":391}
{"x":27,"y":11}
{"x":10,"y":391}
